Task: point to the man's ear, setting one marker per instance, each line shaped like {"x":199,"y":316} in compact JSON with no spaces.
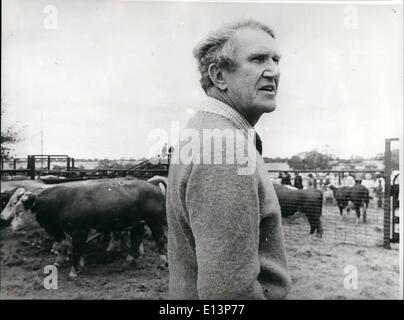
{"x":28,"y":200}
{"x":216,"y":76}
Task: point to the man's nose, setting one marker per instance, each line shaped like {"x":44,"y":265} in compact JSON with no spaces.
{"x":271,"y":70}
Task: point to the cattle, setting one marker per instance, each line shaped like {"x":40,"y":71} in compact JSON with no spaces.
{"x":111,"y":205}
{"x":341,"y":196}
{"x":11,"y":192}
{"x":358,"y":195}
{"x":307,"y":201}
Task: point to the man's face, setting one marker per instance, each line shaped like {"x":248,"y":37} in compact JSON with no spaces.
{"x":253,"y":83}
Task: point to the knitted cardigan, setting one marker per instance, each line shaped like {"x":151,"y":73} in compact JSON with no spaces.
{"x":225,"y":238}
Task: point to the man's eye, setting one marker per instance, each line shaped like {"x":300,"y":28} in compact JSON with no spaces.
{"x":276,"y":60}
{"x":258,"y":59}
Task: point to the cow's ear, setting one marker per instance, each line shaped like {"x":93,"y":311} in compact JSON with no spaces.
{"x":28,"y":200}
{"x":20,"y":192}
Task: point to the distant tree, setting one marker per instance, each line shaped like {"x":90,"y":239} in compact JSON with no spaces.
{"x":9,"y":137}
{"x":312,"y":160}
{"x":108,"y":164}
{"x":316,"y":160}
{"x":113,"y":164}
{"x":379,"y":156}
{"x":395,"y":158}
{"x":296,"y":163}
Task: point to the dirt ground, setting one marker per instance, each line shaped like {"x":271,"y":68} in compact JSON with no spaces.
{"x":320,"y":269}
{"x":317,"y":267}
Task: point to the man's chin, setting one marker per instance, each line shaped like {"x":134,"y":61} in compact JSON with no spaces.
{"x":270,"y":107}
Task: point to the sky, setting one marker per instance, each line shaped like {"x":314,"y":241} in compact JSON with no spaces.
{"x":103,"y":76}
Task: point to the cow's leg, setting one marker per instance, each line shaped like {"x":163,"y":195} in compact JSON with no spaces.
{"x":60,"y":247}
{"x":106,"y":239}
{"x":341,"y":211}
{"x":159,"y":236}
{"x":315,"y":223}
{"x":61,"y":251}
{"x":53,"y":249}
{"x":37,"y":240}
{"x":136,"y":239}
{"x":123,"y":239}
{"x":365,"y":207}
{"x":312,"y":225}
{"x":358,"y":213}
{"x":320,"y":228}
{"x":141,"y":249}
{"x":115,"y":242}
{"x":79,"y":238}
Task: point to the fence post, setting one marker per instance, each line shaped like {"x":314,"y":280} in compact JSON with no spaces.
{"x":31,"y":166}
{"x":49,"y":162}
{"x":387,"y":211}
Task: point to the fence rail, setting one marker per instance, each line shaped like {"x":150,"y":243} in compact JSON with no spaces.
{"x":86,"y":173}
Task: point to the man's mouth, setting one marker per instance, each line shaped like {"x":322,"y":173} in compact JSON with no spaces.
{"x":269,"y":88}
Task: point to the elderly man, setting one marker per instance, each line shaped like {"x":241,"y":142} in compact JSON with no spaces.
{"x":225,"y":238}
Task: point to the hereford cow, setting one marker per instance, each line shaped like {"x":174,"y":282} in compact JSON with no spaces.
{"x":307,"y":201}
{"x":106,"y":206}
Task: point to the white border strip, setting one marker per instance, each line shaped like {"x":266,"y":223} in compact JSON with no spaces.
{"x":343,"y":2}
{"x":401,"y":205}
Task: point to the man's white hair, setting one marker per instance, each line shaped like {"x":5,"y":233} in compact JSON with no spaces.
{"x":216,"y":47}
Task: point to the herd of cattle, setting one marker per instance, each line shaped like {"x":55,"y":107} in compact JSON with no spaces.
{"x":117,"y":211}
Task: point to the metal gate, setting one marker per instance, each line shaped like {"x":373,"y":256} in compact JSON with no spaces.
{"x":395,"y":205}
{"x":391,"y":199}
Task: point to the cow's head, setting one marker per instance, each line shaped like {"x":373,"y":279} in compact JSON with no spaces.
{"x":28,"y":200}
{"x":22,"y":211}
{"x":10,"y":209}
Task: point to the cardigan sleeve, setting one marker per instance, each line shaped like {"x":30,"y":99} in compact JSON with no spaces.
{"x":223,"y":210}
